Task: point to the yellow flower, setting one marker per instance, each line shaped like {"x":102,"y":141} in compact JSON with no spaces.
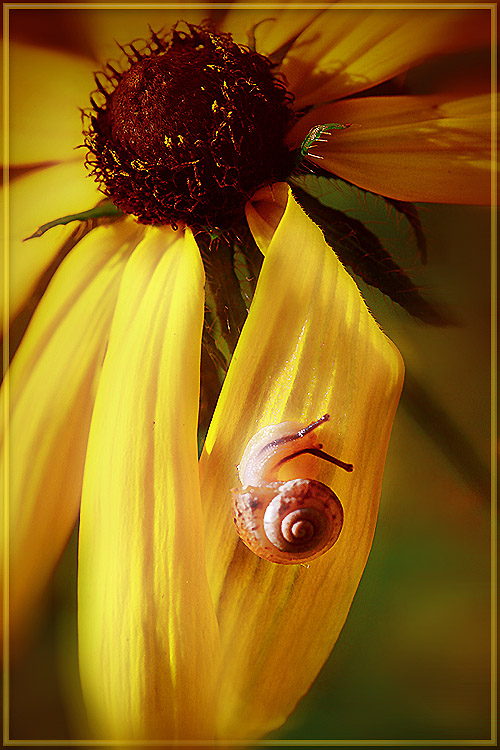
{"x":183,"y":632}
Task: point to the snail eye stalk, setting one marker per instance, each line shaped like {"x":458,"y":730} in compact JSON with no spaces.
{"x":287,"y":522}
{"x":320,"y":454}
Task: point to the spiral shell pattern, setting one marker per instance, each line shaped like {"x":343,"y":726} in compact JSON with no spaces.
{"x":288,"y":522}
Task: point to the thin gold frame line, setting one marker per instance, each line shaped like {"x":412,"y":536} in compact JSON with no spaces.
{"x":5,"y":401}
{"x":251,"y":6}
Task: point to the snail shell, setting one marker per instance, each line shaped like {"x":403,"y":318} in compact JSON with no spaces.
{"x":285,"y":522}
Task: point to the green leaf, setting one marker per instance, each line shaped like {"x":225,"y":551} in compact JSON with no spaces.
{"x":359,"y":248}
{"x":104,"y":209}
{"x":226,"y":307}
{"x":386,"y":217}
{"x":409,"y":211}
{"x":232,"y":263}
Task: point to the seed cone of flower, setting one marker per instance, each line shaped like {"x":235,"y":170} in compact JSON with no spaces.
{"x":191,"y":130}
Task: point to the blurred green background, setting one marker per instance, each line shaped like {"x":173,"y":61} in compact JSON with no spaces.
{"x":413,"y":661}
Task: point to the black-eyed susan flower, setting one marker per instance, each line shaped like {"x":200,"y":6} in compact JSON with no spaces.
{"x":183,"y":631}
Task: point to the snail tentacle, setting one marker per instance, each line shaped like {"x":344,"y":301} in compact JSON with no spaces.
{"x":287,"y":522}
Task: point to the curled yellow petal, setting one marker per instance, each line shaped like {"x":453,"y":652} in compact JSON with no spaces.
{"x":51,"y":393}
{"x":346,"y":51}
{"x":308,"y":347}
{"x":47,"y":90}
{"x":147,"y":630}
{"x":264,"y":214}
{"x":421,"y":148}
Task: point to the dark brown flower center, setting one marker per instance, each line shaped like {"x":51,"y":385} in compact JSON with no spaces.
{"x":190,"y":130}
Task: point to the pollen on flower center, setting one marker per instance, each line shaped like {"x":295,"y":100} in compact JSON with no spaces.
{"x":190,"y":129}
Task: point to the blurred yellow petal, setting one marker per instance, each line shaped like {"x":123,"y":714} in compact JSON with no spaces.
{"x":346,"y":51}
{"x":107,"y":27}
{"x":309,"y":347}
{"x":34,"y":199}
{"x":273,"y":27}
{"x":47,"y":88}
{"x":411,"y":148}
{"x":51,"y":384}
{"x":147,"y":629}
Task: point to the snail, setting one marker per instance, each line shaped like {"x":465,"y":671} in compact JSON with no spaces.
{"x":287,"y":522}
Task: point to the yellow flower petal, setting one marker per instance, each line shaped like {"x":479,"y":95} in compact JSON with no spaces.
{"x":411,"y":148}
{"x":273,"y":27}
{"x":47,"y":89}
{"x":265,"y":215}
{"x":105,"y":27}
{"x":52,"y":382}
{"x":34,"y":199}
{"x":309,"y":347}
{"x":346,"y":51}
{"x":147,"y":630}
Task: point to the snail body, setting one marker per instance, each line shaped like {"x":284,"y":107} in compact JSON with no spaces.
{"x":287,"y":522}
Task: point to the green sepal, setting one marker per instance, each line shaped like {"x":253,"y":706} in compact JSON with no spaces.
{"x":101,"y":210}
{"x":360,"y":249}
